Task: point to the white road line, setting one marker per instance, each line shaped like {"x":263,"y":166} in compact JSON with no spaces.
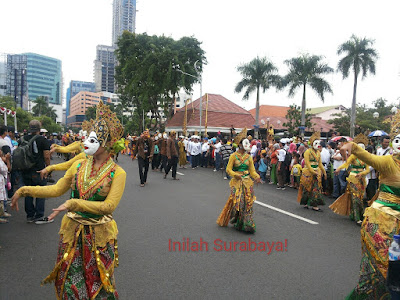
{"x":179,"y":173}
{"x":286,"y":213}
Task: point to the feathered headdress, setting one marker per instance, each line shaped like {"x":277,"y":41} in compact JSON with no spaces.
{"x":240,"y":136}
{"x":107,"y":126}
{"x":361,"y":139}
{"x":315,"y":136}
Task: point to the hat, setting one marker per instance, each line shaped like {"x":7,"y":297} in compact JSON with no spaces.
{"x":34,"y":126}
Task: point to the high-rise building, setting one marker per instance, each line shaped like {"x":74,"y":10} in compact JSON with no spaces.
{"x":74,"y":88}
{"x":104,"y":69}
{"x":124,"y":18}
{"x":3,"y":74}
{"x":16,"y":83}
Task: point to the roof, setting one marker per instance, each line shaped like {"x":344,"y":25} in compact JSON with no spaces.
{"x":277,"y":123}
{"x":270,"y":111}
{"x":221,"y":112}
{"x":318,"y":110}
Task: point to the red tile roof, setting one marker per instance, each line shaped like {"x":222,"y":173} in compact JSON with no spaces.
{"x":317,"y":121}
{"x":221,"y":112}
{"x":270,"y":111}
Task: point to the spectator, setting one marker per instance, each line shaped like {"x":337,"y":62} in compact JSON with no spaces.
{"x":195,"y":152}
{"x":217,"y":155}
{"x":339,"y":180}
{"x":225,"y":151}
{"x":205,"y":152}
{"x":263,"y":166}
{"x":144,"y":151}
{"x":172,"y":155}
{"x":41,"y":149}
{"x":281,"y":172}
{"x":274,"y":162}
{"x":372,"y":179}
{"x":296,"y":170}
{"x":385,"y":149}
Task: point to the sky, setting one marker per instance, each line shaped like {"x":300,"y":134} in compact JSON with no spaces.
{"x":232,"y":33}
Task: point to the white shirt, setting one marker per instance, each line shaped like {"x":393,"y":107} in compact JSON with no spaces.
{"x":217,"y":146}
{"x":253,"y":151}
{"x":195,"y":149}
{"x":380,"y":151}
{"x":371,"y":174}
{"x":205,"y":147}
{"x":189,"y":147}
{"x":281,"y":155}
{"x":337,"y":163}
{"x":185,"y":142}
{"x":325,"y":157}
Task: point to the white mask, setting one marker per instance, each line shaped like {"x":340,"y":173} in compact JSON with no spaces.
{"x":156,"y":138}
{"x":246,"y":145}
{"x":91,"y":144}
{"x":165,"y":136}
{"x":159,"y":135}
{"x":362,"y":146}
{"x":317,"y":145}
{"x":396,"y":144}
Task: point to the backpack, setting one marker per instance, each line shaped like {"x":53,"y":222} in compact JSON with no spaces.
{"x":23,"y":157}
{"x":288,"y":159}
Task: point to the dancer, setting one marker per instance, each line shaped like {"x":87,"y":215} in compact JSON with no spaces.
{"x":351,"y":202}
{"x":310,"y":191}
{"x":172,"y":155}
{"x":144,"y":150}
{"x":381,"y":220}
{"x":239,"y":206}
{"x":88,"y":251}
{"x":182,"y":153}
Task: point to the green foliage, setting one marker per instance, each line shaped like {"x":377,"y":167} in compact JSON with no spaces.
{"x":149,"y":73}
{"x":7,"y":102}
{"x":90,"y":113}
{"x":307,"y":70}
{"x":365,"y":122}
{"x":294,"y":119}
{"x":49,"y":124}
{"x":42,"y":108}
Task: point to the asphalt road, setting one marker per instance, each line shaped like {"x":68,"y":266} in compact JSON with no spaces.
{"x":301,"y":261}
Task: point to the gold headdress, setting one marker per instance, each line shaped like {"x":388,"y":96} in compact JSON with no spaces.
{"x":394,"y":124}
{"x":361,"y":139}
{"x":240,"y":136}
{"x":315,"y":136}
{"x":86,"y":125}
{"x":106,"y":126}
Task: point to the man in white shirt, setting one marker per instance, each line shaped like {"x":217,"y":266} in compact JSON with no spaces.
{"x":195,"y":152}
{"x":217,"y":146}
{"x":281,"y":167}
{"x":189,"y":149}
{"x":339,"y":180}
{"x":385,"y":149}
{"x":326,"y":160}
{"x":205,"y":153}
{"x":372,"y":179}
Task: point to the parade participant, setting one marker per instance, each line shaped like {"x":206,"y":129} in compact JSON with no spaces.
{"x":88,"y":251}
{"x":381,"y":220}
{"x":163,"y":150}
{"x":144,"y":152}
{"x":182,"y":153}
{"x":310,"y":190}
{"x":172,"y":155}
{"x":239,"y":206}
{"x":351,"y":202}
{"x":155,"y":162}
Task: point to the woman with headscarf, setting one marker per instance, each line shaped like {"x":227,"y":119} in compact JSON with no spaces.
{"x":239,"y":207}
{"x":88,"y":251}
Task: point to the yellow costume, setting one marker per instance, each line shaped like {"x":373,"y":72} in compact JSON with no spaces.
{"x":381,"y":222}
{"x":182,"y":154}
{"x":75,"y":147}
{"x":310,"y":190}
{"x":66,"y":165}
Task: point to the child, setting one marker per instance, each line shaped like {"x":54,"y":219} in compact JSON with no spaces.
{"x":262,"y":167}
{"x":296,"y":170}
{"x":5,"y":166}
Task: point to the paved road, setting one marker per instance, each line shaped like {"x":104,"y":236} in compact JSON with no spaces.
{"x":319,"y":261}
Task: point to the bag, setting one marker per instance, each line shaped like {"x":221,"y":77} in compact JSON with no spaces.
{"x":288,"y":159}
{"x":296,"y":171}
{"x":23,"y":156}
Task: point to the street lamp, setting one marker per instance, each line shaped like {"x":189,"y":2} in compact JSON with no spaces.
{"x":199,"y":78}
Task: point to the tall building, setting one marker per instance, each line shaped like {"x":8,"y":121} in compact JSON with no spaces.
{"x":81,"y":102}
{"x":124,"y":18}
{"x":74,"y":88}
{"x":31,"y":75}
{"x":104,"y":69}
{"x":3,"y":74}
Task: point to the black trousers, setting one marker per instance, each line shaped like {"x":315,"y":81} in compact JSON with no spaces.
{"x":172,"y":163}
{"x":155,"y":162}
{"x":163,"y":161}
{"x":143,"y":169}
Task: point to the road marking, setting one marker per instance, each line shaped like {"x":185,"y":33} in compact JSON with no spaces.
{"x":286,"y":213}
{"x":179,"y":173}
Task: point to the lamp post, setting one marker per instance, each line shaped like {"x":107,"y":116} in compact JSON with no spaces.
{"x":199,"y":78}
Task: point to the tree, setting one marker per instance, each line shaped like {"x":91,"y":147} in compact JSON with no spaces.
{"x":307,"y":70}
{"x":258,"y":74}
{"x":51,"y":113}
{"x":360,"y":57}
{"x":90,"y":113}
{"x":147,"y":72}
{"x":293,"y":116}
{"x":41,"y":106}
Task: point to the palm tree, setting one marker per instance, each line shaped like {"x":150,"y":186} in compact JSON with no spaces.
{"x":51,"y":113}
{"x":40,"y":107}
{"x":307,"y":70}
{"x":257,"y":74}
{"x":359,"y":56}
